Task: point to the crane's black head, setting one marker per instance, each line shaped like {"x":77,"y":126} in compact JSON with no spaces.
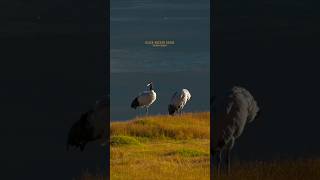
{"x":80,"y":133}
{"x":150,"y":85}
{"x":171,"y":109}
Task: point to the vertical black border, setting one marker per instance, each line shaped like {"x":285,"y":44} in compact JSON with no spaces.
{"x":107,"y":20}
{"x":44,"y":60}
{"x":211,"y":81}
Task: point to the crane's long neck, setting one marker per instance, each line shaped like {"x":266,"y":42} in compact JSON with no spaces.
{"x":151,"y":87}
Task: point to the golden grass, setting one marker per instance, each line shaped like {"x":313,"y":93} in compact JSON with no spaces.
{"x":186,"y":126}
{"x":170,"y":147}
{"x":277,"y":170}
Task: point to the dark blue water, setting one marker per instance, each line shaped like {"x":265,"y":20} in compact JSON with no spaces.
{"x":186,"y":64}
{"x":185,"y":22}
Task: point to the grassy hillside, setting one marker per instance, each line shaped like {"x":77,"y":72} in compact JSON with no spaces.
{"x":276,"y":170}
{"x":161,"y":147}
{"x":177,"y":147}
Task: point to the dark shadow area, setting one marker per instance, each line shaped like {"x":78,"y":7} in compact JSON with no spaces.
{"x":272,"y":49}
{"x":54,"y":66}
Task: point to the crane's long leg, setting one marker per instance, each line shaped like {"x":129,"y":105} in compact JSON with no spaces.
{"x":219,"y":162}
{"x":212,"y":155}
{"x":147,"y":111}
{"x":228,"y":161}
{"x":228,"y":155}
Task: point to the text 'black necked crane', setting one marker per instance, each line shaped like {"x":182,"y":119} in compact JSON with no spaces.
{"x":145,"y":99}
{"x":178,"y":101}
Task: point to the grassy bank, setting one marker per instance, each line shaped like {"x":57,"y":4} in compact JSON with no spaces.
{"x":177,"y":147}
{"x":161,"y":147}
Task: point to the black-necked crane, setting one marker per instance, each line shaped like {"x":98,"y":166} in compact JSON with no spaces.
{"x":91,"y":126}
{"x":145,"y":99}
{"x":178,"y":101}
{"x":231,"y":114}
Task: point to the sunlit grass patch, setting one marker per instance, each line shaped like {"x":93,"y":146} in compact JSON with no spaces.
{"x":184,"y":152}
{"x":123,"y":140}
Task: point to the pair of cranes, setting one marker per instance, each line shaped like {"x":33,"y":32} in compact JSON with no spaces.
{"x":231,"y":114}
{"x":146,"y":98}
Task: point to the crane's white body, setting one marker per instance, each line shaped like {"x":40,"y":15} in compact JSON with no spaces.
{"x":178,"y":101}
{"x":147,"y":98}
{"x":231,"y":115}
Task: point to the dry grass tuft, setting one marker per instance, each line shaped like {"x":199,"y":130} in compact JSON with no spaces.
{"x":123,"y":140}
{"x":184,"y":152}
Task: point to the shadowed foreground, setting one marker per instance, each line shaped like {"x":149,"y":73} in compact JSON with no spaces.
{"x":161,"y":147}
{"x":276,"y":170}
{"x":89,"y":176}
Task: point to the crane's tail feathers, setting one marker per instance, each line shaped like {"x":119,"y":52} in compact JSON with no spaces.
{"x":172,"y":109}
{"x":135,"y":103}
